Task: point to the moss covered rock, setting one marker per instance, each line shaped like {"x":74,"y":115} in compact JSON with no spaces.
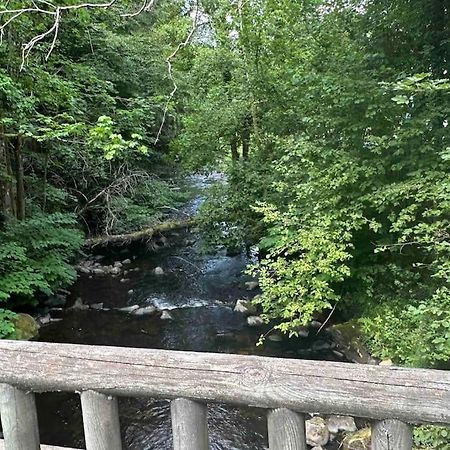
{"x":360,"y":440}
{"x":349,"y":339}
{"x":26,"y":327}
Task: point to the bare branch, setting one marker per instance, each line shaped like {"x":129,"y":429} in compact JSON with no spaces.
{"x":169,"y":67}
{"x":56,"y":12}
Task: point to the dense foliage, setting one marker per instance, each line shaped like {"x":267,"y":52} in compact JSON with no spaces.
{"x":331,"y":122}
{"x":78,"y":150}
{"x":328,"y":118}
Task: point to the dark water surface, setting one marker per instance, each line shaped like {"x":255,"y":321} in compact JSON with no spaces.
{"x":200,"y":292}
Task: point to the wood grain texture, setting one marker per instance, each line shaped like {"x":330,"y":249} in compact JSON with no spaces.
{"x":43,"y":447}
{"x":286,"y":430}
{"x":189,"y":425}
{"x":100,"y":421}
{"x":19,"y":419}
{"x":410,"y":395}
{"x":391,"y":435}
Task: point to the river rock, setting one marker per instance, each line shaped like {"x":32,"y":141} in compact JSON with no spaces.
{"x":97,"y":306}
{"x":158,"y":271}
{"x":349,"y":339}
{"x":124,"y":280}
{"x":318,"y":447}
{"x":44,"y":320}
{"x":98,"y":257}
{"x":317,"y":433}
{"x":79,"y":305}
{"x":245,"y":307}
{"x":251,"y":285}
{"x":145,"y":311}
{"x":128,"y":309}
{"x":302,"y":331}
{"x":336,"y":424}
{"x":131,"y":292}
{"x":25,"y":327}
{"x":319,"y":346}
{"x":315,"y":324}
{"x":360,"y":440}
{"x":126,"y":261}
{"x":115,"y":271}
{"x":98,"y":271}
{"x":386,"y":362}
{"x":118,"y":264}
{"x":275,"y":337}
{"x":165,"y":315}
{"x":83,"y":269}
{"x":254,"y":321}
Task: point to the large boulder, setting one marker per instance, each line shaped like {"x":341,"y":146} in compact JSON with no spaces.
{"x":358,"y":441}
{"x":349,"y":339}
{"x":26,"y":327}
{"x":317,"y":433}
{"x":245,"y":307}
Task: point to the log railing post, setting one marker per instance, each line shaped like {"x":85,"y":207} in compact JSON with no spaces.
{"x":101,"y":421}
{"x":286,"y":430}
{"x":189,"y":425}
{"x":391,"y":434}
{"x":19,"y":419}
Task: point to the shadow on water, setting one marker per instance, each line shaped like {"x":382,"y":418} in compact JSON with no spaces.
{"x":200,"y":292}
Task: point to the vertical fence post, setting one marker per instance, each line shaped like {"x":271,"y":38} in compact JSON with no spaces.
{"x":19,"y":419}
{"x":286,"y":430}
{"x":391,"y":434}
{"x":189,"y":425}
{"x":101,"y":421}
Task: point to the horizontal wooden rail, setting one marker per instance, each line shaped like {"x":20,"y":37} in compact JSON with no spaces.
{"x":408,"y":395}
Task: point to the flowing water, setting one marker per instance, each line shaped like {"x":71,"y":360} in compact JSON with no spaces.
{"x":200,"y":291}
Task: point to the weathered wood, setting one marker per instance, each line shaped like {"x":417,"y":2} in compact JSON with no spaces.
{"x":147,"y":233}
{"x":391,"y":435}
{"x":286,"y":430}
{"x":189,"y":425}
{"x":43,"y":447}
{"x":377,"y":392}
{"x":19,"y":419}
{"x":100,"y":421}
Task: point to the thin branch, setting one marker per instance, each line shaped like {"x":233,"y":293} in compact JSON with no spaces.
{"x":56,"y":12}
{"x":169,"y":59}
{"x":327,"y":319}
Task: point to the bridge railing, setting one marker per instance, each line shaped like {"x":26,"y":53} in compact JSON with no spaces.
{"x":394,"y":398}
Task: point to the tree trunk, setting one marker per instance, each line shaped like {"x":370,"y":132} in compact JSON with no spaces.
{"x":245,"y":135}
{"x":234,"y":149}
{"x":7,"y":202}
{"x":20,"y":187}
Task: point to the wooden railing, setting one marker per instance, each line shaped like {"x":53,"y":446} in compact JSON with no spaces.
{"x":392,"y":397}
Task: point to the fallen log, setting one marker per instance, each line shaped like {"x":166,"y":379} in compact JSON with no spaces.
{"x":145,"y":234}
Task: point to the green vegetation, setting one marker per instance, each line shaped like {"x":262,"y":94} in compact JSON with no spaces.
{"x":78,"y":150}
{"x":328,"y":118}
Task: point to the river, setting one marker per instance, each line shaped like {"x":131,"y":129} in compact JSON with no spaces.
{"x":200,"y":291}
